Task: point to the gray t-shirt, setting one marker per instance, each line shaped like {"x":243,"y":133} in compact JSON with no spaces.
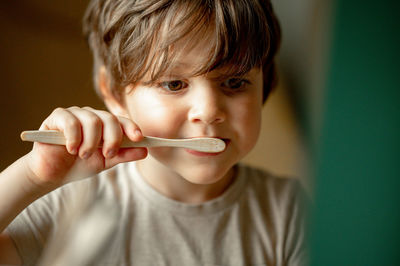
{"x":258,"y":220}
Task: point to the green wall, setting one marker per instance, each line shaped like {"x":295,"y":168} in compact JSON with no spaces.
{"x":356,"y":217}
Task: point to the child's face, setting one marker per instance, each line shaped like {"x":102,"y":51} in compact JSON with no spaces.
{"x":185,"y":106}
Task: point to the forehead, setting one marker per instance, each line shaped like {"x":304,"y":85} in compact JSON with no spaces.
{"x":197,"y":42}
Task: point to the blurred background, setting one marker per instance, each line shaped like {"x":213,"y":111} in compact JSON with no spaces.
{"x":333,"y":122}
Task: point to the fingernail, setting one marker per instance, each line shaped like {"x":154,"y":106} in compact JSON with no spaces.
{"x":86,"y":155}
{"x":110,"y":153}
{"x":138,"y":133}
{"x":74,"y":151}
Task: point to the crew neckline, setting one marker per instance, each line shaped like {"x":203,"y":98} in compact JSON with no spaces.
{"x":229,"y":197}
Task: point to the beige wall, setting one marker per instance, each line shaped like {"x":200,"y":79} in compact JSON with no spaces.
{"x":45,"y":64}
{"x":280,"y":149}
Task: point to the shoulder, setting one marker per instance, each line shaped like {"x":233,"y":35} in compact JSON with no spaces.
{"x":278,"y":195}
{"x":279,"y":203}
{"x":265,"y":182}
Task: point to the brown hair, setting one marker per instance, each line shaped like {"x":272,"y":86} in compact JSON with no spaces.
{"x":133,"y":38}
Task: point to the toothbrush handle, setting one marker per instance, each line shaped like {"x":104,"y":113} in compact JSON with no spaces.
{"x":198,"y":144}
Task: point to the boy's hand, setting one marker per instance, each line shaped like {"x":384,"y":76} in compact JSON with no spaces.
{"x":84,"y":129}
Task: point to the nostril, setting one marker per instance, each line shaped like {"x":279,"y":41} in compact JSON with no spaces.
{"x":209,"y":120}
{"x":206,"y":114}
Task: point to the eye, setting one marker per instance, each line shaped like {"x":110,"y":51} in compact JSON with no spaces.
{"x":174,"y":85}
{"x":235,"y":83}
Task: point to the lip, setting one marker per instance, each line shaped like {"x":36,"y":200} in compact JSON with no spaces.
{"x":209,"y":154}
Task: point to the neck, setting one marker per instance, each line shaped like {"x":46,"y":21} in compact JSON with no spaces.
{"x":174,"y":186}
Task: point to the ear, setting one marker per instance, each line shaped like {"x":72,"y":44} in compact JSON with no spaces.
{"x":113,"y":102}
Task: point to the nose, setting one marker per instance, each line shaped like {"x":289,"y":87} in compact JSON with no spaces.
{"x":207,"y":107}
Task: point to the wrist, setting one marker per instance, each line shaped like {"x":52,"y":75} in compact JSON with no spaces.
{"x":33,"y":182}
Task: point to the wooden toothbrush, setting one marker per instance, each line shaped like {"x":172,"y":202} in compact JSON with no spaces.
{"x":211,"y":145}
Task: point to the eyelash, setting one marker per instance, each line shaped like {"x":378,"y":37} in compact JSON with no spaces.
{"x":243,"y":82}
{"x":165,"y":84}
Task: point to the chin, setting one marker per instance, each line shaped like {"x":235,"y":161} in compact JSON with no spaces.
{"x":204,"y":174}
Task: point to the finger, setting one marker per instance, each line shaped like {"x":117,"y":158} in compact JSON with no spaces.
{"x":126,"y":155}
{"x":130,"y":129}
{"x":64,"y":121}
{"x":91,"y":131}
{"x":112,"y":132}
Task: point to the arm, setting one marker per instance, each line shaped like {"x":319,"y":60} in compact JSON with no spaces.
{"x":48,"y":167}
{"x":16,"y":193}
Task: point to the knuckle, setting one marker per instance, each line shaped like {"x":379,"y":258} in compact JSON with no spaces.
{"x":58,"y":110}
{"x":73,"y":108}
{"x":71,"y":124}
{"x":94,"y":120}
{"x":88,"y":108}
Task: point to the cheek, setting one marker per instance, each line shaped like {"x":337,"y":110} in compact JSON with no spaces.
{"x":154,"y":116}
{"x":247,"y":122}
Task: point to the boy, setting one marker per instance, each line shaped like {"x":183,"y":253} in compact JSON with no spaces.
{"x":172,"y":69}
